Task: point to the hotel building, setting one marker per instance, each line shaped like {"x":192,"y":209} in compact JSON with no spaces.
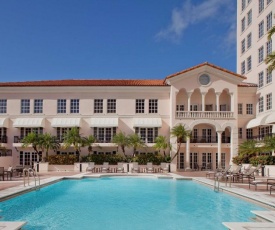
{"x":206,"y":99}
{"x":254,"y":19}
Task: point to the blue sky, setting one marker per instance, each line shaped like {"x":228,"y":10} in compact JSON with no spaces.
{"x":113,"y":39}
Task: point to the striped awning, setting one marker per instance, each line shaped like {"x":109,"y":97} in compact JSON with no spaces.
{"x":66,"y":122}
{"x":104,"y":122}
{"x":148,"y":122}
{"x":30,"y":122}
{"x":4,"y":122}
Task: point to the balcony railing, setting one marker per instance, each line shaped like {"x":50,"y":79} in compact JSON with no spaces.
{"x":17,"y":139}
{"x":209,"y":139}
{"x":260,"y":137}
{"x":204,"y":114}
{"x":3,"y":139}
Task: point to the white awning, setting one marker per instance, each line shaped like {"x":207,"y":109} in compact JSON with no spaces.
{"x":270,"y":119}
{"x":258,"y":121}
{"x":66,"y":122}
{"x":4,"y":122}
{"x":104,"y":122}
{"x":30,"y":122}
{"x":147,"y":122}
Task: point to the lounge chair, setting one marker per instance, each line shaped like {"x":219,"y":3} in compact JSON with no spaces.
{"x":249,"y":175}
{"x":105,"y":167}
{"x":234,"y":172}
{"x":220,"y":172}
{"x":91,"y":167}
{"x":164,"y":167}
{"x":135,"y":168}
{"x":263,"y":182}
{"x":2,"y":172}
{"x":9,"y":172}
{"x":120,"y":168}
{"x":247,"y":168}
{"x":149,"y":167}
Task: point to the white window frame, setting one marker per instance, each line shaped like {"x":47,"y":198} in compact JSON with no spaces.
{"x":269,"y":101}
{"x":261,"y":54}
{"x":261,"y":29}
{"x":38,"y":106}
{"x":261,"y":6}
{"x":153,"y":105}
{"x":61,"y":105}
{"x":243,"y":67}
{"x":74,"y":106}
{"x":249,"y":63}
{"x":25,"y":106}
{"x":249,"y":40}
{"x":98,"y":105}
{"x":140,"y":105}
{"x":249,"y":109}
{"x":269,"y":47}
{"x":3,"y":106}
{"x":243,"y":24}
{"x":240,"y":108}
{"x":268,"y":76}
{"x":249,"y":17}
{"x":111,"y":106}
{"x":243,"y":46}
{"x":261,"y":79}
{"x":261,"y":104}
{"x":269,"y":21}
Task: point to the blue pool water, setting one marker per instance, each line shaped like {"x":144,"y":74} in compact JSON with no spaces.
{"x":126,"y":203}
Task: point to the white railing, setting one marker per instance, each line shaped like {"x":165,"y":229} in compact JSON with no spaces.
{"x":205,"y":114}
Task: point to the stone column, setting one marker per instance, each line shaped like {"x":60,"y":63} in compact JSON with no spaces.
{"x":218,"y":101}
{"x":232,"y":102}
{"x":203,"y":101}
{"x":219,"y":148}
{"x":187,"y":168}
{"x":189,"y":101}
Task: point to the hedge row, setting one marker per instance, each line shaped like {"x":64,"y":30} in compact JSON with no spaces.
{"x":264,"y":160}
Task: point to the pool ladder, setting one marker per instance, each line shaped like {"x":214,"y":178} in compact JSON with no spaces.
{"x":27,"y":172}
{"x":217,"y":184}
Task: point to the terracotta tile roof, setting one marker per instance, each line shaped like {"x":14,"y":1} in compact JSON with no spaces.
{"x":84,"y":83}
{"x":205,"y":64}
{"x":246,"y":84}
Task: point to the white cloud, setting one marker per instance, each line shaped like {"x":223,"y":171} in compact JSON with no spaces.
{"x":190,"y":14}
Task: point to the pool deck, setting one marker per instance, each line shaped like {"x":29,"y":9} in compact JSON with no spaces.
{"x":16,"y":186}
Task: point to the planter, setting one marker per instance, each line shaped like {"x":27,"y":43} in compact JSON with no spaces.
{"x":41,"y":166}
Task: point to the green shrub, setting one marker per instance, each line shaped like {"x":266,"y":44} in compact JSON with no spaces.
{"x":240,"y":160}
{"x":62,"y":159}
{"x":113,"y":159}
{"x":156,"y":159}
{"x":263,"y":160}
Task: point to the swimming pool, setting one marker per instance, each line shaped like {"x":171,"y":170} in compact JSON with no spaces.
{"x":126,"y":203}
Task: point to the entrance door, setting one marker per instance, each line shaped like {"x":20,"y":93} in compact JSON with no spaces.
{"x":27,"y":158}
{"x":193,"y":160}
{"x":181,"y":161}
{"x":207,"y":160}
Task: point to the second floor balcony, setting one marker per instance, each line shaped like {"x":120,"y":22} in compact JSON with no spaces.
{"x":204,"y":114}
{"x":209,"y":139}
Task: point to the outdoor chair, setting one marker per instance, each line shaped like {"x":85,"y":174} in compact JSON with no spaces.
{"x":120,"y":168}
{"x":9,"y":173}
{"x":105,"y":167}
{"x":233,"y":173}
{"x":249,"y":175}
{"x":247,"y":168}
{"x":2,"y":172}
{"x":135,"y":168}
{"x":220,"y":172}
{"x":149,"y":167}
{"x":263,"y":182}
{"x":164,"y":167}
{"x":91,"y":167}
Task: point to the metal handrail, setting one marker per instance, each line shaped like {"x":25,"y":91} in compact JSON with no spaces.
{"x":35,"y":177}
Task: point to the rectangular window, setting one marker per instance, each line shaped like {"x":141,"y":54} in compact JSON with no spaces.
{"x":180,"y":108}
{"x":269,"y":101}
{"x":261,"y":104}
{"x":98,"y":106}
{"x":267,"y":2}
{"x":249,"y":64}
{"x":269,"y":21}
{"x":243,"y":4}
{"x":243,"y":24}
{"x":38,"y":106}
{"x":268,"y":76}
{"x":249,"y":17}
{"x":243,"y":67}
{"x":104,"y":135}
{"x":249,"y":40}
{"x":25,"y":106}
{"x":111,"y":106}
{"x":261,"y":29}
{"x":249,"y":134}
{"x":61,"y":106}
{"x":74,"y":106}
{"x":261,"y":79}
{"x":269,"y":47}
{"x":140,"y":105}
{"x":243,"y":46}
{"x":153,"y":105}
{"x":261,"y":5}
{"x":249,"y":108}
{"x":148,"y":135}
{"x":261,"y":54}
{"x":240,"y":133}
{"x":240,"y":108}
{"x":3,"y":105}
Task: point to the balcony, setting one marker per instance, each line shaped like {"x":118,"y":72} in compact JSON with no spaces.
{"x":260,"y":137}
{"x":209,"y":139}
{"x":3,"y":139}
{"x":204,"y":114}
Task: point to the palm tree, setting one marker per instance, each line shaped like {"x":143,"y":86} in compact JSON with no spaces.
{"x":270,"y":59}
{"x":49,"y":142}
{"x":180,"y":133}
{"x":161,"y":143}
{"x":250,"y":148}
{"x":34,"y":140}
{"x":89,"y":141}
{"x":122,"y":141}
{"x":269,"y":144}
{"x":136,"y":142}
{"x":73,"y":138}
